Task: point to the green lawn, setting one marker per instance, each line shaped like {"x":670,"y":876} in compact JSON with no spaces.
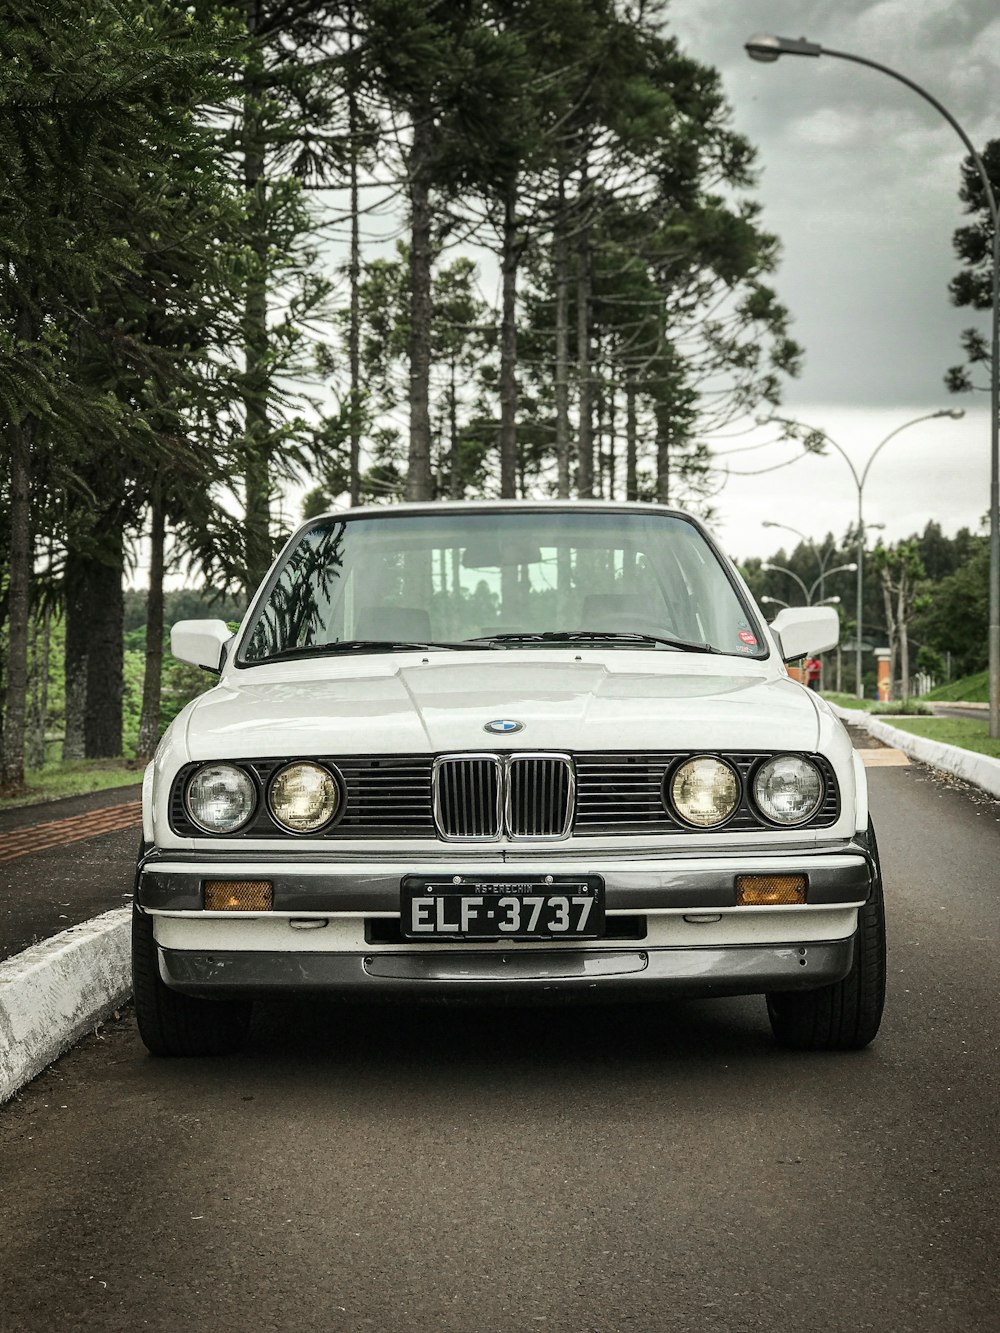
{"x":874,"y":706}
{"x":847,"y":700}
{"x":74,"y":779}
{"x":964,"y":732}
{"x":970,"y":689}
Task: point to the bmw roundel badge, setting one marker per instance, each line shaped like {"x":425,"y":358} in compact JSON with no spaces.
{"x":503,"y":726}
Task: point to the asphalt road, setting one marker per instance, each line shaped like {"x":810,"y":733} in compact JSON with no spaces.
{"x":582,"y":1171}
{"x":971,"y":714}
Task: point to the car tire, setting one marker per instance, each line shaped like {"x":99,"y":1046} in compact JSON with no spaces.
{"x":179,"y":1025}
{"x":846,"y":1015}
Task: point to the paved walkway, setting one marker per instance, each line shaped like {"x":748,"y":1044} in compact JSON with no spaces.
{"x":63,"y":862}
{"x":73,"y":828}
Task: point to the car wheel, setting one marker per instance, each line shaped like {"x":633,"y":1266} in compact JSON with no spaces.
{"x":175,"y":1024}
{"x":846,"y":1015}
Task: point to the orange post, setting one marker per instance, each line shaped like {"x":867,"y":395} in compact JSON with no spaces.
{"x":883,"y":678}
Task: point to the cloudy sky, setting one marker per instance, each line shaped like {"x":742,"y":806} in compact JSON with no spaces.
{"x":859,"y":179}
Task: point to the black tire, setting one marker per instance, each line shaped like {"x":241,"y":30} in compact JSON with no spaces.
{"x":846,"y":1015}
{"x":175,"y":1024}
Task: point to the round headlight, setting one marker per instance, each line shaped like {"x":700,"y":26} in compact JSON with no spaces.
{"x":220,"y":798}
{"x":788,"y":789}
{"x":704,"y":791}
{"x":303,"y":797}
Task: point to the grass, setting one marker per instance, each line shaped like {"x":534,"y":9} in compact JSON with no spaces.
{"x":75,"y":778}
{"x":970,"y":689}
{"x":967,"y":733}
{"x":913,"y":706}
{"x":847,"y":700}
{"x":874,"y":706}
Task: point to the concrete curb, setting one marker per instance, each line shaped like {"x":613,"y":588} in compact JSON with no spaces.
{"x":54,"y":992}
{"x":979,"y":769}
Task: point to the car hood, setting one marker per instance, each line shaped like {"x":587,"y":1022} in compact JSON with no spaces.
{"x":405,"y":705}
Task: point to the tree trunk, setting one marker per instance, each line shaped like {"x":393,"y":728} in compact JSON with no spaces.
{"x":508,"y":348}
{"x":354,"y":274}
{"x":152,"y":679}
{"x":76,"y":600}
{"x":35,"y":748}
{"x":419,"y":481}
{"x":455,"y":486}
{"x":890,"y":624}
{"x":585,"y":434}
{"x":562,"y":353}
{"x":102,"y":730}
{"x":18,"y":603}
{"x":662,"y":453}
{"x":902,"y":612}
{"x":631,"y":444}
{"x":255,"y":340}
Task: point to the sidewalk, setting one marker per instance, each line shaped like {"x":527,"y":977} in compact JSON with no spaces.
{"x":64,"y":862}
{"x":979,"y":769}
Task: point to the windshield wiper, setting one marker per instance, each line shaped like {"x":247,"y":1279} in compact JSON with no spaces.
{"x":598,"y":636}
{"x":353,"y":646}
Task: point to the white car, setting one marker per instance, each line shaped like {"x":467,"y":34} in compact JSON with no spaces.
{"x":497,"y":749}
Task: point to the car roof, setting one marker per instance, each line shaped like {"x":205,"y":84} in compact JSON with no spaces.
{"x":473,"y":506}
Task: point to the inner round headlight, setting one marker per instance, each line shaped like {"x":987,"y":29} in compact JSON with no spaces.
{"x":788,"y":789}
{"x":220,"y":798}
{"x":704,"y":791}
{"x":303,"y":797}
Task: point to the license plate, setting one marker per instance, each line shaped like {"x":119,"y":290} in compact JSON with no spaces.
{"x":466,"y":907}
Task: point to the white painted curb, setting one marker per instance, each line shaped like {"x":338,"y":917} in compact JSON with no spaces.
{"x":54,"y":992}
{"x":979,"y":769}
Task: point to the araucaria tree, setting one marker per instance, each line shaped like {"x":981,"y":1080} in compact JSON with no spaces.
{"x":972,"y":286}
{"x":200,"y":298}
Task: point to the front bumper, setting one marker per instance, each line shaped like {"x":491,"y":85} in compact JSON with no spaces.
{"x":579,"y":972}
{"x":673,"y":926}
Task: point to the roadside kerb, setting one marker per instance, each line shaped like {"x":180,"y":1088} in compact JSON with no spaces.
{"x":979,"y":769}
{"x":58,"y":990}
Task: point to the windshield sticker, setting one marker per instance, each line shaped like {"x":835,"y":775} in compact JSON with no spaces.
{"x":748,"y":638}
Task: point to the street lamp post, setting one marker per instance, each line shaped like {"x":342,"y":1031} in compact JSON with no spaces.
{"x":807,"y":593}
{"x":955,"y":413}
{"x":821,"y":558}
{"x":767,"y":47}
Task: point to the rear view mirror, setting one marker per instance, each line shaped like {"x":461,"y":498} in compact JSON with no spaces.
{"x":489,"y":554}
{"x":200,"y":642}
{"x":803,"y":630}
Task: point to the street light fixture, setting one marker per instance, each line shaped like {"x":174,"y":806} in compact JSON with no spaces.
{"x":955,"y":414}
{"x":821,"y":556}
{"x":807,"y":593}
{"x":767,"y":47}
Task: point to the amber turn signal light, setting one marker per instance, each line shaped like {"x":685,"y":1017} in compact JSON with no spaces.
{"x":770,"y":890}
{"x":238,"y":895}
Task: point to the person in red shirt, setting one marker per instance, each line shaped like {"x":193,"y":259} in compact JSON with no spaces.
{"x":813,"y":670}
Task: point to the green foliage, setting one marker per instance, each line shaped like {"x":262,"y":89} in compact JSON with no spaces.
{"x":967,"y":734}
{"x":972,"y":286}
{"x":969,"y":689}
{"x":77,"y":778}
{"x":952,"y":612}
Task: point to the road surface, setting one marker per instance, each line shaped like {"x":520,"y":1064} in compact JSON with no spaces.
{"x":495,"y":1171}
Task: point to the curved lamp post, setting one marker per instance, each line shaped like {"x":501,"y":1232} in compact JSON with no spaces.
{"x":807,"y":593}
{"x":955,"y":413}
{"x":766,"y":47}
{"x":821,"y":559}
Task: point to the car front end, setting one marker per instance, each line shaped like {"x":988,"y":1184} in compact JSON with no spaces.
{"x":571,"y":812}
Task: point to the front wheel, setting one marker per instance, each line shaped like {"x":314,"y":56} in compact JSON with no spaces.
{"x":175,"y":1024}
{"x":846,"y":1015}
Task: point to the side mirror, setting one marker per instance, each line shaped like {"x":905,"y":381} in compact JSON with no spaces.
{"x":200,"y":642}
{"x":802,"y":630}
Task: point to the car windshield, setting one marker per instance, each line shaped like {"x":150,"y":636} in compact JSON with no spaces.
{"x":495,"y":579}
